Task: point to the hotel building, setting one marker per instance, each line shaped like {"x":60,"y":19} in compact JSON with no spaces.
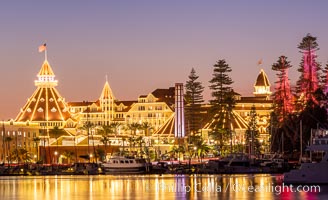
{"x":47,"y":109}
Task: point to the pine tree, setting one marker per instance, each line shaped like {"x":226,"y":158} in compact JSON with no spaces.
{"x":223,"y":95}
{"x":308,"y":82}
{"x":194,"y":99}
{"x":282,"y":97}
{"x":324,"y":79}
{"x":252,"y":133}
{"x":220,"y":85}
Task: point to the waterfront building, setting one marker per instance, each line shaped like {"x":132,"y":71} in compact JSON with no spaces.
{"x":15,"y":136}
{"x":43,"y":111}
{"x":263,"y":107}
{"x":46,"y":106}
{"x":47,"y":110}
{"x":81,"y":123}
{"x":155,"y":108}
{"x":240,"y":117}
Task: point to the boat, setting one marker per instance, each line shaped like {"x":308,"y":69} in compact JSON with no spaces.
{"x":121,"y":164}
{"x":235,"y":163}
{"x":238,"y":163}
{"x":312,"y":172}
{"x":273,"y":163}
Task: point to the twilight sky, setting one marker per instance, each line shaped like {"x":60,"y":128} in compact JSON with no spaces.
{"x":144,"y":45}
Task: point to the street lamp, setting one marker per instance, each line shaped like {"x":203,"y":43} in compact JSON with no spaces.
{"x":91,"y":157}
{"x":195,"y":151}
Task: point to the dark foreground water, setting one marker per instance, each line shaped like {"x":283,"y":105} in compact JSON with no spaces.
{"x":157,"y":187}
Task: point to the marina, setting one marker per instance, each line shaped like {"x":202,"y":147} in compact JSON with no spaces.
{"x":164,"y":100}
{"x":312,"y":172}
{"x":128,"y":165}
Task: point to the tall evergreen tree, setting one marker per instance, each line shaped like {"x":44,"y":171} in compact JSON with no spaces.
{"x":223,"y":98}
{"x":220,"y":85}
{"x":308,"y":109}
{"x":252,"y":133}
{"x":308,"y":82}
{"x":194,"y":99}
{"x":282,"y":97}
{"x":324,"y":79}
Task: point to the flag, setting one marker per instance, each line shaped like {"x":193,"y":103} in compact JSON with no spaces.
{"x":42,"y":47}
{"x":259,"y":62}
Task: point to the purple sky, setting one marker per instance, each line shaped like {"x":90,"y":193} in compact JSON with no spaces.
{"x":143,"y":45}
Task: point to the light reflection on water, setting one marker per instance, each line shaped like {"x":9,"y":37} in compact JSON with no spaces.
{"x":151,"y":187}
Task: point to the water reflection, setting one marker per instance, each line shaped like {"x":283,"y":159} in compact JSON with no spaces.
{"x":151,"y":187}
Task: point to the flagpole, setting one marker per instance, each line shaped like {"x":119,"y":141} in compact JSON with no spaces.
{"x":43,"y":48}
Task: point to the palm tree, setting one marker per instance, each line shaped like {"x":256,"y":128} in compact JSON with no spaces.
{"x":146,"y":127}
{"x":93,"y":144}
{"x":115,"y":127}
{"x":57,"y":132}
{"x":45,"y":135}
{"x":8,"y":139}
{"x":100,"y":153}
{"x":36,"y":141}
{"x":131,"y":142}
{"x":21,"y":154}
{"x":87,"y":126}
{"x":104,"y":131}
{"x":123,"y":143}
{"x":177,"y":150}
{"x":68,"y":155}
{"x":140,"y":141}
{"x":133,"y":127}
{"x":202,"y":149}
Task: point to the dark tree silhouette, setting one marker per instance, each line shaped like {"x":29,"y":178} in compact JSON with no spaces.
{"x":194,"y":99}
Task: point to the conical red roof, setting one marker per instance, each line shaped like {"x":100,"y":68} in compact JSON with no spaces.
{"x":45,"y":104}
{"x":262,"y":79}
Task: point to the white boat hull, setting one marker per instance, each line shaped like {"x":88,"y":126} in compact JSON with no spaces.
{"x":124,"y":165}
{"x":312,"y":173}
{"x":126,"y":170}
{"x":309,"y":173}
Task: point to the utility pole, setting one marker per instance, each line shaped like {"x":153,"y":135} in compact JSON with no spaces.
{"x":3,"y":133}
{"x":301,"y":141}
{"x":282,"y":144}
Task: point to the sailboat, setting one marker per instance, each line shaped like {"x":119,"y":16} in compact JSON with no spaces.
{"x":312,"y":172}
